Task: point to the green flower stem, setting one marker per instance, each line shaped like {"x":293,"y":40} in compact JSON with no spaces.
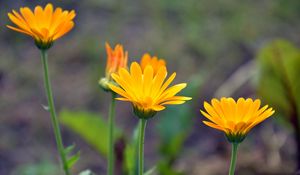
{"x":233,"y":158}
{"x":51,"y":109}
{"x":141,"y":145}
{"x":111,"y":155}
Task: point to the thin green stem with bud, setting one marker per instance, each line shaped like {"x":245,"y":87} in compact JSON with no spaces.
{"x":51,"y":109}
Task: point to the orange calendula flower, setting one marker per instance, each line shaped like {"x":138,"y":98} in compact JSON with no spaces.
{"x":153,"y":61}
{"x":235,"y":118}
{"x":116,"y":58}
{"x":44,"y":25}
{"x":148,"y":92}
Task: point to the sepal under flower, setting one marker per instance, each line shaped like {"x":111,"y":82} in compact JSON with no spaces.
{"x":235,"y":138}
{"x":104,"y":84}
{"x":43,"y":45}
{"x":143,"y":113}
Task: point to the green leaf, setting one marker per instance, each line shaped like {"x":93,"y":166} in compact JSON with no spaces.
{"x":73,"y":159}
{"x":86,"y":172}
{"x":173,"y":135}
{"x":44,"y":167}
{"x":278,"y":83}
{"x":131,"y":153}
{"x":90,"y":126}
{"x":151,"y":171}
{"x":47,"y":108}
{"x":69,"y":149}
{"x":165,"y":169}
{"x":173,"y":128}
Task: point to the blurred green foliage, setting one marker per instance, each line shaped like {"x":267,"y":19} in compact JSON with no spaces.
{"x":150,"y":171}
{"x":93,"y":129}
{"x":72,"y":158}
{"x":86,"y":172}
{"x":90,"y":126}
{"x":173,"y":128}
{"x":131,"y":153}
{"x":278,"y":83}
{"x":39,"y":168}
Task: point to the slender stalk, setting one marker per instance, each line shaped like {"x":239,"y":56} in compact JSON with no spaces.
{"x":141,"y":145}
{"x":51,"y":109}
{"x":111,"y":155}
{"x":233,"y":158}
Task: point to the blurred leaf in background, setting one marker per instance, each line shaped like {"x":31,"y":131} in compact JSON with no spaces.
{"x":90,"y":126}
{"x":39,"y":168}
{"x":150,"y":171}
{"x":86,"y":172}
{"x":278,"y":82}
{"x":174,"y":127}
{"x":131,"y":153}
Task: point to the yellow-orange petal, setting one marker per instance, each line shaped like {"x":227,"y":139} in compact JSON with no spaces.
{"x":236,"y":118}
{"x":45,"y":25}
{"x":210,"y":124}
{"x":146,"y":90}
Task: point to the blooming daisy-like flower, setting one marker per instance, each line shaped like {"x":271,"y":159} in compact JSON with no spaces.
{"x":153,"y":61}
{"x":235,"y":118}
{"x":44,"y":25}
{"x":148,"y":92}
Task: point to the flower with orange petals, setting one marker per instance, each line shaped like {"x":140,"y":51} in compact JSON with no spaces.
{"x":155,"y":62}
{"x":148,"y":92}
{"x":116,"y":59}
{"x":235,"y":118}
{"x":45,"y":25}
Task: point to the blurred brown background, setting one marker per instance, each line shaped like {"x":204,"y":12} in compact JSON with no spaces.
{"x":211,"y":45}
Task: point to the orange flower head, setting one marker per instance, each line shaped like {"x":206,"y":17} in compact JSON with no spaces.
{"x":235,"y":118}
{"x":116,"y":58}
{"x":156,"y":63}
{"x":45,"y":25}
{"x":148,"y":92}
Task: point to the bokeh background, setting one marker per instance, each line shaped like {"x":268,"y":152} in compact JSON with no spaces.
{"x":220,"y":48}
